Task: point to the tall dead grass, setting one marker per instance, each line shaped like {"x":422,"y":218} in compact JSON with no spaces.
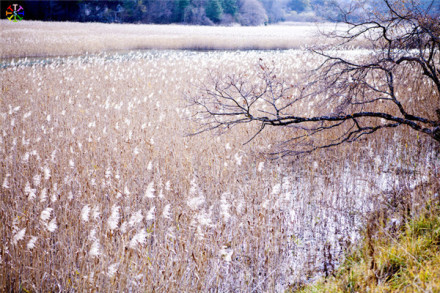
{"x":35,"y":38}
{"x":101,"y":190}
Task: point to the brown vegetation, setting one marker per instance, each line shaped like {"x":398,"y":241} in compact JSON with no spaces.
{"x":36,"y":38}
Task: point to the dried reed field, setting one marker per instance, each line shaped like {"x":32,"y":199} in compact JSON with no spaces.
{"x":102,"y":190}
{"x":36,"y":38}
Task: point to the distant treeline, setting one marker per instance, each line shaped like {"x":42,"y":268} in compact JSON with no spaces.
{"x":204,"y":12}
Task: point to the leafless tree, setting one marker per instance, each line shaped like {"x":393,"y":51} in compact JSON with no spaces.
{"x":395,"y":82}
{"x":252,"y":12}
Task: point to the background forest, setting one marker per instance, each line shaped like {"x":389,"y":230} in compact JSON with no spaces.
{"x":202,"y":12}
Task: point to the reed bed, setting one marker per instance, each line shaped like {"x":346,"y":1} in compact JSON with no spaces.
{"x":36,"y":38}
{"x":102,"y":190}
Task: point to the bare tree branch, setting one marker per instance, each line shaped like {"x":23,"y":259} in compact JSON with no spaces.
{"x":353,"y":96}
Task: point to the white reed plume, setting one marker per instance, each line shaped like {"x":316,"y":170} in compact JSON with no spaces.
{"x":25,"y":157}
{"x":108,"y":173}
{"x":96,"y":213}
{"x":27,"y":115}
{"x":46,"y":172}
{"x":161,"y":193}
{"x":195,"y":202}
{"x":204,"y":219}
{"x":149,"y":192}
{"x":31,"y":244}
{"x":238,"y":159}
{"x":37,"y":179}
{"x":239,"y":205}
{"x":126,"y":191}
{"x":52,"y":225}
{"x":92,"y":235}
{"x":112,"y":269}
{"x":260,"y":167}
{"x":43,"y":195}
{"x":5,"y":184}
{"x":18,"y":236}
{"x":113,"y":220}
{"x":168,"y":185}
{"x":199,"y":233}
{"x":276,"y":189}
{"x":225,"y":206}
{"x":123,"y":227}
{"x":226,"y":253}
{"x":13,"y":110}
{"x":138,"y":239}
{"x":95,"y":250}
{"x":45,"y":214}
{"x":70,"y":195}
{"x":150,"y":166}
{"x":54,"y":196}
{"x":53,"y":156}
{"x":265,"y":204}
{"x":166,"y":212}
{"x":315,"y":165}
{"x":30,"y":192}
{"x":150,"y":214}
{"x":25,"y":142}
{"x":85,"y":211}
{"x":136,"y":218}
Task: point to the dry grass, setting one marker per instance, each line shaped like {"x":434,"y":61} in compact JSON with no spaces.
{"x":102,"y":191}
{"x":406,"y":262}
{"x":35,"y":38}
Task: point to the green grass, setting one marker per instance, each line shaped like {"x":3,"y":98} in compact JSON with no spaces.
{"x":408,"y":261}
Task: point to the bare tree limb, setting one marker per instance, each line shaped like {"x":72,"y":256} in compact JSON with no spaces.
{"x":369,"y":91}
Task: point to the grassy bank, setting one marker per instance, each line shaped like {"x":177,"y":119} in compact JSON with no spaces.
{"x":406,"y":260}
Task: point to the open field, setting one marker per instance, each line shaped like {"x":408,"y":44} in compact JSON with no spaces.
{"x":35,"y":38}
{"x":101,"y":190}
